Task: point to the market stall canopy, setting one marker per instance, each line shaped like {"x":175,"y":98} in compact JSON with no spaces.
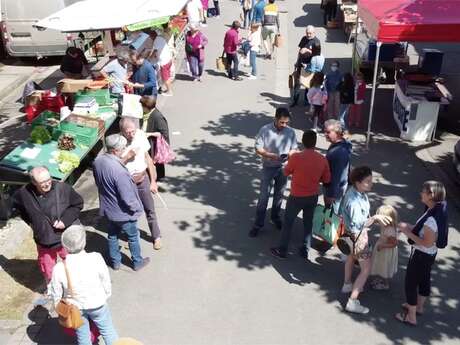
{"x":95,"y":15}
{"x":411,"y":20}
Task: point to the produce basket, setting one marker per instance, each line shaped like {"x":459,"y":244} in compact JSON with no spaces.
{"x":102,"y":96}
{"x":86,"y":136}
{"x":86,"y":121}
{"x":47,"y":119}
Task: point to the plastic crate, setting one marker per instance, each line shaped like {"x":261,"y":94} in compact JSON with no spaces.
{"x":102,"y":96}
{"x":84,"y":135}
{"x":41,"y":120}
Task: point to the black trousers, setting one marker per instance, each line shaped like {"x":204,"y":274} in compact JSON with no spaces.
{"x":418,"y":276}
{"x":217,"y":7}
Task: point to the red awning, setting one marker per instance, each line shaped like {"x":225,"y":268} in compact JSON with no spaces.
{"x":411,"y":20}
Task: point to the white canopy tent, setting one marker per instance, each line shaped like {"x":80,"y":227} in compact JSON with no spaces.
{"x":98,"y":15}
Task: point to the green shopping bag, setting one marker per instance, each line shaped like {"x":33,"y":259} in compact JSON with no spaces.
{"x":326,"y":224}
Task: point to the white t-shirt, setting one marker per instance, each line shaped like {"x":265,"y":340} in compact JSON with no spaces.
{"x":193,"y":11}
{"x":163,"y":50}
{"x":431,"y":223}
{"x":254,"y":39}
{"x":141,"y":146}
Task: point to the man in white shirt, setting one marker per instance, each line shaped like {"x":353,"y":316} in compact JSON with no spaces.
{"x":138,"y":162}
{"x":162,"y":55}
{"x":195,"y":12}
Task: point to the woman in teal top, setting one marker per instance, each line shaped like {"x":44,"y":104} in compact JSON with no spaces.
{"x":355,"y":210}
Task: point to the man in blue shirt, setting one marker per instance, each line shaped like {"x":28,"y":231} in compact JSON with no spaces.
{"x":274,"y":143}
{"x":144,"y":76}
{"x":258,"y":12}
{"x":119,"y":200}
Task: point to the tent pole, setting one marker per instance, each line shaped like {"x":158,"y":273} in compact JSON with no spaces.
{"x":354,"y":45}
{"x":374,"y":82}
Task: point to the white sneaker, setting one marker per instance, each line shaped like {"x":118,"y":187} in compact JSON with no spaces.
{"x":252,"y":77}
{"x":353,"y":306}
{"x":203,"y":25}
{"x":346,"y":288}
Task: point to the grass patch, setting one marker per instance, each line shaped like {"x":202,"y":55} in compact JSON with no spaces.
{"x":20,"y":278}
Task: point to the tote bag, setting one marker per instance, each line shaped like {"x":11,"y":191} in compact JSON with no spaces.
{"x":164,"y":154}
{"x":326,"y":224}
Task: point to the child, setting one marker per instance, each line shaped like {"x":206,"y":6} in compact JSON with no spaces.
{"x":317,"y":97}
{"x":385,"y":254}
{"x":254,"y":41}
{"x":354,"y":119}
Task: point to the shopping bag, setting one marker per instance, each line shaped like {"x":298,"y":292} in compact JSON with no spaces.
{"x":132,"y":106}
{"x":278,"y":41}
{"x":221,"y":63}
{"x":164,"y":154}
{"x":305,"y":78}
{"x":326,"y":224}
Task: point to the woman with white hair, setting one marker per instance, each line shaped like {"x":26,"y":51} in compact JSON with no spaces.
{"x":195,"y":42}
{"x":91,"y":286}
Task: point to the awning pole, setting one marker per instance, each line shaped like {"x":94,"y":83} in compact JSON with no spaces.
{"x":374,"y":82}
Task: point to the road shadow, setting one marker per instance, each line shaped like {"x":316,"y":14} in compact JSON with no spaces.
{"x":25,"y":272}
{"x":45,"y":330}
{"x":313,"y":16}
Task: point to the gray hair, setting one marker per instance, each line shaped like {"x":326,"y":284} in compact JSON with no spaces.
{"x":335,"y":124}
{"x":74,"y":239}
{"x":436,"y":189}
{"x":310,"y":28}
{"x":115,"y":142}
{"x":38,"y":170}
{"x":128,"y":120}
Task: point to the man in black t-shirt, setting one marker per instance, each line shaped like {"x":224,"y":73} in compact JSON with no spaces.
{"x":306,"y":45}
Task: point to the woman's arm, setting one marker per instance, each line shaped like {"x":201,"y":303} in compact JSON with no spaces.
{"x":428,"y":239}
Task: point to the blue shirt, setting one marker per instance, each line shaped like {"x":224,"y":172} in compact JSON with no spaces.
{"x":145,"y":74}
{"x":355,"y":210}
{"x":333,"y":80}
{"x":275,"y":141}
{"x":258,"y":12}
{"x":119,"y":75}
{"x":118,"y":197}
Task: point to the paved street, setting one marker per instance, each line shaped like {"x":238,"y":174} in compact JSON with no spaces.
{"x":211,"y":284}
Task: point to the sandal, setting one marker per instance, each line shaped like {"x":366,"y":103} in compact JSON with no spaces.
{"x":405,"y":306}
{"x":402,"y":317}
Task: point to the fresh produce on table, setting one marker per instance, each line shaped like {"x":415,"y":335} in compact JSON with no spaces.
{"x":67,"y":161}
{"x":66,"y":142}
{"x":40,"y":135}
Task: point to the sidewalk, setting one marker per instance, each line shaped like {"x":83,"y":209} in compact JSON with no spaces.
{"x":211,"y":284}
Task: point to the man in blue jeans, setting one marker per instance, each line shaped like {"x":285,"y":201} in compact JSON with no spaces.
{"x":274,"y":143}
{"x":119,"y":200}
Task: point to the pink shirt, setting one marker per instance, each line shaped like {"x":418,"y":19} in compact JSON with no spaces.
{"x":231,"y":41}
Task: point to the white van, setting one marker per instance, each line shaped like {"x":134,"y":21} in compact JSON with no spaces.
{"x":18,"y":36}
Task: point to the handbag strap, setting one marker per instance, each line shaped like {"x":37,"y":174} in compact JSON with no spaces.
{"x":69,"y":282}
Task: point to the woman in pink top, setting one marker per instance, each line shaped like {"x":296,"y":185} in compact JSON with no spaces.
{"x":195,"y":42}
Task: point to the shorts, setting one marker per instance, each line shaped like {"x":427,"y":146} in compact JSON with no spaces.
{"x":268,"y":32}
{"x":362,"y":251}
{"x":165,"y":71}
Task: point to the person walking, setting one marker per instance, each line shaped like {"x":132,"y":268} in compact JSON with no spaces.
{"x":119,"y":200}
{"x":339,"y":156}
{"x":143,"y":173}
{"x":217,"y":7}
{"x":161,"y":54}
{"x":195,"y":41}
{"x":254,"y":42}
{"x":194,"y":10}
{"x":246,"y":7}
{"x":429,"y":233}
{"x":258,"y":12}
{"x":275,"y":142}
{"x":48,"y":207}
{"x":355,"y":210}
{"x":308,"y":169}
{"x":333,"y":79}
{"x":270,"y":27}
{"x":330,"y":10}
{"x":347,"y":97}
{"x":231,"y":42}
{"x":84,"y":278}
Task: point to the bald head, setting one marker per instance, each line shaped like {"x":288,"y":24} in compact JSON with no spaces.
{"x":41,"y":179}
{"x":128,"y":128}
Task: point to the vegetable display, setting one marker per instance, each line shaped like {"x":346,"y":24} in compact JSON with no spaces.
{"x":67,"y":161}
{"x":40,"y":135}
{"x":66,"y":142}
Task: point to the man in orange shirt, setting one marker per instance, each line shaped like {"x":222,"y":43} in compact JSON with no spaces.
{"x":308,"y":169}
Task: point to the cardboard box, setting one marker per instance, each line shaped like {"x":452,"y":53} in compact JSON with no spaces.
{"x":73,"y":85}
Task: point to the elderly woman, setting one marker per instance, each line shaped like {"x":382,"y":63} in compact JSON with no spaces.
{"x":429,"y":233}
{"x":91,"y":286}
{"x":195,"y":42}
{"x":355,"y":210}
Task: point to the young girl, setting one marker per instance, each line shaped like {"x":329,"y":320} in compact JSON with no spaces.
{"x":254,"y":42}
{"x":354,"y":119}
{"x":385,"y":254}
{"x":317,"y":97}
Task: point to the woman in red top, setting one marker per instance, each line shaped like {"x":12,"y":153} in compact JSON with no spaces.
{"x":355,"y":117}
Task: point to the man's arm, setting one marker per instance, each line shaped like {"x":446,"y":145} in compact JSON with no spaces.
{"x":152,"y":171}
{"x":71,"y":213}
{"x":127,"y":191}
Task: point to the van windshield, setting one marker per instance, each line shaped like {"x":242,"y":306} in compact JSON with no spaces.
{"x":33,"y":9}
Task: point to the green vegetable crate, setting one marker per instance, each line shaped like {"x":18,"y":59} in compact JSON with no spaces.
{"x":86,"y":136}
{"x":102,"y":96}
{"x":42,"y":120}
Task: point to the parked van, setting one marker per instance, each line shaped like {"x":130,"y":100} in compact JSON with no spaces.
{"x":18,"y":36}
